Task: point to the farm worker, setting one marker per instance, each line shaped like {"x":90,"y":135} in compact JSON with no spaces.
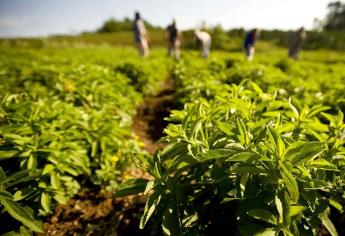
{"x":296,"y":42}
{"x":174,"y":40}
{"x":205,"y":40}
{"x":141,"y":35}
{"x":249,"y":43}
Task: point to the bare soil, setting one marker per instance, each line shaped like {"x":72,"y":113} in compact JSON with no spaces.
{"x":149,"y":122}
{"x":96,"y":213}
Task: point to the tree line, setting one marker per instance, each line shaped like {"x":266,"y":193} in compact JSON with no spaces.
{"x":328,"y":33}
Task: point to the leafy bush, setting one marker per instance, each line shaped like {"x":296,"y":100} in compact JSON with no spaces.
{"x":262,"y":162}
{"x":248,"y":155}
{"x":64,"y":121}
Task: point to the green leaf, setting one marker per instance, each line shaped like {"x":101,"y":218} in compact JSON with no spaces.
{"x":5,"y":195}
{"x":32,"y":162}
{"x":302,"y":152}
{"x":173,"y":150}
{"x":316,"y":126}
{"x":278,"y":142}
{"x":94,"y":148}
{"x":173,"y":130}
{"x":315,"y":134}
{"x":260,"y":136}
{"x":13,"y":233}
{"x":19,"y":140}
{"x":61,"y":198}
{"x":189,"y":220}
{"x":304,"y":172}
{"x":329,"y":117}
{"x":70,"y":170}
{"x":243,"y":135}
{"x":22,"y":232}
{"x":290,"y":183}
{"x":267,"y":232}
{"x":48,"y":169}
{"x":55,"y":181}
{"x":256,"y":88}
{"x":294,"y":107}
{"x":243,"y":157}
{"x":247,"y":169}
{"x":196,"y":129}
{"x":327,"y":222}
{"x":286,"y":206}
{"x":323,"y":164}
{"x":296,"y":210}
{"x":315,"y":110}
{"x":225,"y":127}
{"x":247,"y":156}
{"x":279,"y":206}
{"x":149,"y":186}
{"x":8,"y":154}
{"x":25,"y":231}
{"x":21,"y":214}
{"x":243,"y":183}
{"x":130,"y":187}
{"x":2,"y":175}
{"x":17,"y":175}
{"x":336,"y":205}
{"x":256,"y":230}
{"x":18,"y":195}
{"x":171,"y":223}
{"x":151,"y":204}
{"x":285,"y":128}
{"x":271,"y":114}
{"x":217,"y":154}
{"x":46,"y":202}
{"x":179,"y":163}
{"x":263,"y":215}
{"x":294,"y":229}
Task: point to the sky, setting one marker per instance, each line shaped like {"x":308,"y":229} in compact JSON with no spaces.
{"x":46,"y":17}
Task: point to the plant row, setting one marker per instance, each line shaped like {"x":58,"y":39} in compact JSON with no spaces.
{"x":65,"y":122}
{"x":250,"y":153}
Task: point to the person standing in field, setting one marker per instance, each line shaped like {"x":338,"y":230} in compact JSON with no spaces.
{"x":205,"y":40}
{"x":174,"y":40}
{"x":296,"y":42}
{"x":249,"y":43}
{"x":141,"y":35}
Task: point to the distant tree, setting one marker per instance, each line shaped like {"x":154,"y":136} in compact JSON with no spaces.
{"x":335,"y":19}
{"x":237,"y":32}
{"x":219,"y":37}
{"x":114,"y":25}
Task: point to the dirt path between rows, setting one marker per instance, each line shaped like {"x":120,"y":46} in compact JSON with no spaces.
{"x":149,"y":122}
{"x":94,"y":211}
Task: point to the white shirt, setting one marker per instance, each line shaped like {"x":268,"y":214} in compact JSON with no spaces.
{"x":203,"y":36}
{"x":141,"y":27}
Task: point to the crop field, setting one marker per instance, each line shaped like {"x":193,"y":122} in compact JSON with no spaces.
{"x":97,"y":141}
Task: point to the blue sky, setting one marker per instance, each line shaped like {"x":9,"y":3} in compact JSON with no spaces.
{"x":44,"y":17}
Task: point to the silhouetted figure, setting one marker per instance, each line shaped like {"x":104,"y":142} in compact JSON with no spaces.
{"x":249,"y":43}
{"x":296,"y":41}
{"x":205,"y":40}
{"x":174,"y":40}
{"x":141,"y":35}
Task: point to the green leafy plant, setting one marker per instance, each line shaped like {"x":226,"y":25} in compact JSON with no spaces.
{"x":268,"y":159}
